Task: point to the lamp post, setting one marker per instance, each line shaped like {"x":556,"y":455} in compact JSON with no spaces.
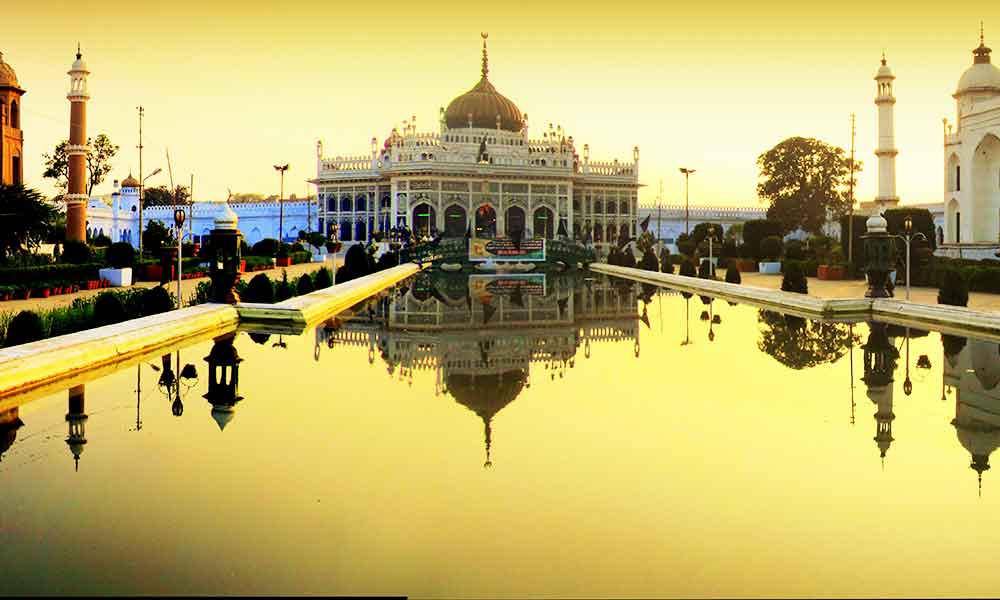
{"x":142,"y":187}
{"x":908,"y":237}
{"x":179,"y":224}
{"x":711,"y":265}
{"x":281,"y":202}
{"x":687,"y":186}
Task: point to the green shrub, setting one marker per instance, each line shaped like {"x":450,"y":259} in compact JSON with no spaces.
{"x":260,"y":289}
{"x":954,"y":291}
{"x":700,"y":233}
{"x":101,"y":241}
{"x":304,"y":285}
{"x":120,"y":255}
{"x":266,"y":247}
{"x":649,"y":261}
{"x":733,"y":273}
{"x":688,"y":269}
{"x":770,"y":247}
{"x":685,"y":245}
{"x":156,"y":300}
{"x":794,"y":279}
{"x":923,"y":222}
{"x":76,"y":252}
{"x":283,"y":290}
{"x":108,"y":309}
{"x":323,"y":279}
{"x":755,"y":231}
{"x":808,"y":267}
{"x":794,"y":250}
{"x":706,"y":270}
{"x":665,"y":264}
{"x":26,"y":327}
{"x":859,"y":230}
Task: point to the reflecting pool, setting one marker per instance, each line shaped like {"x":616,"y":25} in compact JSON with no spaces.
{"x":520,"y":436}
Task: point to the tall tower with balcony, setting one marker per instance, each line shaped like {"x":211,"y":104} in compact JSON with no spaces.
{"x":11,"y":136}
{"x":76,"y":151}
{"x":886,"y":149}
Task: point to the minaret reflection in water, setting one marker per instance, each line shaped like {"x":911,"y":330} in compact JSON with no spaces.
{"x":223,"y":379}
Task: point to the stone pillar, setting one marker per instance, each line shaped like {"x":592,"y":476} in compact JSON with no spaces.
{"x":225,"y":269}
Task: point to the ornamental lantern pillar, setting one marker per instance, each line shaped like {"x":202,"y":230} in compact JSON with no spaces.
{"x":878,"y":256}
{"x":225,"y":268}
{"x":223,"y":379}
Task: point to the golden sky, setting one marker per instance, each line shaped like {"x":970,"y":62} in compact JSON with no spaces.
{"x":234,"y":88}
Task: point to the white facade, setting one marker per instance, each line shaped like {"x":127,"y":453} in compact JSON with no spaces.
{"x":972,"y":162}
{"x":117,"y":216}
{"x":480,"y":172}
{"x":668,"y":222}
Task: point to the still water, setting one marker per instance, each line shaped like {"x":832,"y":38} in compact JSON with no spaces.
{"x":518,"y":437}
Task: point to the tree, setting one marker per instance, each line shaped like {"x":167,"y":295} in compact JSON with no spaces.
{"x":803,"y":179}
{"x":25,"y":219}
{"x":156,"y":236}
{"x":801,"y":344}
{"x":162,"y":196}
{"x":98,"y":162}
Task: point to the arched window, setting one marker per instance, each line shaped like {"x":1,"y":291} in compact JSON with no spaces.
{"x":515,"y":222}
{"x":360,"y":231}
{"x":345,"y":203}
{"x":423,"y":219}
{"x":331,"y":204}
{"x":486,"y":222}
{"x":15,"y":115}
{"x":576,"y":231}
{"x":625,"y":232}
{"x":455,"y":221}
{"x":598,"y":233}
{"x":345,"y":230}
{"x":360,"y":203}
{"x":598,"y":206}
{"x":386,"y":201}
{"x":544,"y":223}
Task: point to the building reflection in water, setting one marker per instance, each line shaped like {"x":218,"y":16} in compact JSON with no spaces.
{"x":880,"y":358}
{"x":484,"y":335}
{"x":972,"y":371}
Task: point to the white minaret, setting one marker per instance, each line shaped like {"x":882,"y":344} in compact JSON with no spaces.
{"x":886,"y":150}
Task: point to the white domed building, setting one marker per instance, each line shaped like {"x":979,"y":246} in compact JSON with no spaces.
{"x":972,"y":162}
{"x":481,"y":172}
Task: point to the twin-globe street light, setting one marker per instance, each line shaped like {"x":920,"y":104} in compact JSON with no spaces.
{"x":687,"y":221}
{"x":281,"y":202}
{"x":908,"y":237}
{"x":179,"y":223}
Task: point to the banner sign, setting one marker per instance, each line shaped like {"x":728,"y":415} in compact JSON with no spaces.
{"x":503,"y":249}
{"x":528,"y":284}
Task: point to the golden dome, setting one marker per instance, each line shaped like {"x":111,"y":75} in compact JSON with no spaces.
{"x":130,"y":181}
{"x":483,"y":105}
{"x":7,"y":76}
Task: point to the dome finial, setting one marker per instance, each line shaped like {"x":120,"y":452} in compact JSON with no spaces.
{"x":982,"y":53}
{"x":883,"y":56}
{"x":982,"y":35}
{"x":486,"y":60}
{"x":78,"y":54}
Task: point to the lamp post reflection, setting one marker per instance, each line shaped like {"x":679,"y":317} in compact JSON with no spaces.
{"x":880,"y":362}
{"x":223,"y":379}
{"x":76,"y":417}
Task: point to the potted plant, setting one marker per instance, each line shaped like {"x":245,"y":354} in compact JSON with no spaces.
{"x":23,"y":293}
{"x":770,"y":250}
{"x":833,"y":270}
{"x":333,"y":247}
{"x":282,"y":259}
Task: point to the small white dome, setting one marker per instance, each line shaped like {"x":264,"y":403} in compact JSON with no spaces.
{"x":225,"y":218}
{"x":980,"y":77}
{"x":884,"y":72}
{"x":876,"y":224}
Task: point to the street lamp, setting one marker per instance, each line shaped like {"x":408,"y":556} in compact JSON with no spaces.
{"x":179,"y":223}
{"x":711,"y":265}
{"x":908,"y":237}
{"x":687,"y":220}
{"x":281,"y":202}
{"x":142,"y":189}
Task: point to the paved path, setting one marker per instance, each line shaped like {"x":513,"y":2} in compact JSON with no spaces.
{"x":187,"y":288}
{"x":856,"y":289}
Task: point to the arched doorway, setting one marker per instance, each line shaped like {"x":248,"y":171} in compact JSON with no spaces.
{"x":544,"y":223}
{"x":625,"y":233}
{"x":985,"y":216}
{"x":486,"y":222}
{"x":598,"y":233}
{"x":423,"y":219}
{"x":360,"y":231}
{"x":953,"y":222}
{"x":346,"y":231}
{"x":455,"y":221}
{"x":515,"y":222}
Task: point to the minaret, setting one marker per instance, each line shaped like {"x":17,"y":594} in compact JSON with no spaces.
{"x":886,"y":151}
{"x":76,"y":151}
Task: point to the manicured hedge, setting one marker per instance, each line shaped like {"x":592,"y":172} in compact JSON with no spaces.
{"x":755,"y":231}
{"x":58,"y":272}
{"x":808,"y":267}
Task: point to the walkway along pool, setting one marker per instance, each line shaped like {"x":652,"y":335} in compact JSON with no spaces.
{"x":483,"y":436}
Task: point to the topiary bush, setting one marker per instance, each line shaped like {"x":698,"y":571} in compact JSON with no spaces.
{"x":685,"y":245}
{"x":108,"y":309}
{"x":121,"y":255}
{"x":954,"y":290}
{"x":770,"y":247}
{"x":387,"y":261}
{"x":304,"y":285}
{"x":323,"y":279}
{"x":649,"y":261}
{"x":156,"y":300}
{"x":687,"y":269}
{"x":665,"y":265}
{"x":24,"y":328}
{"x":794,"y":279}
{"x":794,"y":250}
{"x":627,"y":258}
{"x":76,"y":252}
{"x":706,"y":270}
{"x":260,"y":289}
{"x":755,"y":231}
{"x":265,"y":247}
{"x":733,"y":273}
{"x":283,"y":290}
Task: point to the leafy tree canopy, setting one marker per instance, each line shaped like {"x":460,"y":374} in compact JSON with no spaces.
{"x":803,"y":179}
{"x":162,"y":196}
{"x":801,"y":344}
{"x":98,"y":162}
{"x":156,"y":236}
{"x":25,"y":219}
